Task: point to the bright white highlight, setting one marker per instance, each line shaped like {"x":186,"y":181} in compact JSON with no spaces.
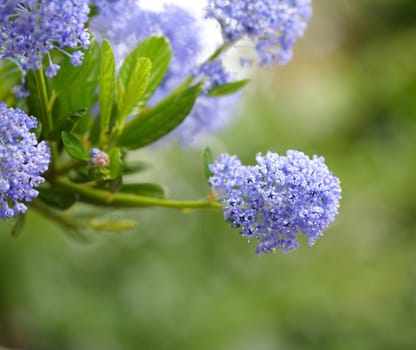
{"x":212,"y":37}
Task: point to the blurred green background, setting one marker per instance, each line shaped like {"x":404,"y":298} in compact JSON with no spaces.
{"x":188,"y":281}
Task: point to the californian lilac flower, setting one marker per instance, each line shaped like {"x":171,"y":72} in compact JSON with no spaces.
{"x":185,"y":35}
{"x":98,"y":158}
{"x":22,"y":161}
{"x":30,"y":29}
{"x":275,"y":200}
{"x":273,"y":25}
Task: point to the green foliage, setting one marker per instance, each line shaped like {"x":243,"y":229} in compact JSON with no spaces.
{"x":153,"y":123}
{"x":34,"y":100}
{"x":157,"y":49}
{"x":132,"y":167}
{"x":106,"y":86}
{"x":143,"y":189}
{"x":115,"y":166}
{"x":131,"y":95}
{"x":17,"y":225}
{"x":66,"y":124}
{"x":9,"y":78}
{"x":227,"y":89}
{"x":74,"y":88}
{"x":57,"y":198}
{"x":140,"y":74}
{"x":112,"y":225}
{"x":74,"y":146}
{"x":208,"y":159}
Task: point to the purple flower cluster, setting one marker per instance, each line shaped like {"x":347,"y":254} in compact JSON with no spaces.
{"x":30,"y":29}
{"x":275,"y":200}
{"x":184,"y":32}
{"x":22,"y":161}
{"x":273,"y":25}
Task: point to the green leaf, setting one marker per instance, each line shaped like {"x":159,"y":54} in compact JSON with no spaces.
{"x":74,"y":146}
{"x":227,"y":89}
{"x":17,"y":225}
{"x":107,"y":85}
{"x":89,"y":218}
{"x":33,"y":100}
{"x":66,"y":124}
{"x":135,"y":167}
{"x":131,"y":94}
{"x":82,"y":175}
{"x":208,"y":159}
{"x":111,"y":225}
{"x":143,"y":189}
{"x":9,"y":78}
{"x":152,"y":124}
{"x":80,"y":90}
{"x":57,"y":198}
{"x":69,"y":76}
{"x":158,"y":50}
{"x":115,"y":163}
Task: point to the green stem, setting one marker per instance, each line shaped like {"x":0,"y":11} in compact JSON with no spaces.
{"x":52,"y":100}
{"x":54,"y":216}
{"x":72,"y":164}
{"x":46,"y":116}
{"x":76,"y":227}
{"x":46,"y":111}
{"x":223,"y":48}
{"x":127,"y":200}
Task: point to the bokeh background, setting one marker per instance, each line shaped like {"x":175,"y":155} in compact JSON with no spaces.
{"x":188,"y":281}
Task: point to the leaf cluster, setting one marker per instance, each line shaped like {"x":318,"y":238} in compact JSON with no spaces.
{"x":99,"y":105}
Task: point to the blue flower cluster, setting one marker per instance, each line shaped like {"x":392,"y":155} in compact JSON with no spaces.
{"x":30,"y":29}
{"x":184,"y":32}
{"x":278,"y":198}
{"x":22,"y":160}
{"x":273,"y":25}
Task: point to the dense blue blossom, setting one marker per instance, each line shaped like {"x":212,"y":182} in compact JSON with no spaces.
{"x":275,"y":200}
{"x":273,"y":25}
{"x":184,"y":32}
{"x":30,"y":29}
{"x":22,"y":161}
